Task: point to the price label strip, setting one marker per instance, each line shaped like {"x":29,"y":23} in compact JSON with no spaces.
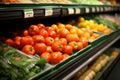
{"x":48,"y":12}
{"x":28,"y":13}
{"x":71,"y":11}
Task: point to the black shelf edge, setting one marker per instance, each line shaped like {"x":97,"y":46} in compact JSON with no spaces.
{"x":45,"y":11}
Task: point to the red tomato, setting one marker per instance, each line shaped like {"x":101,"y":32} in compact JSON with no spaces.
{"x":80,"y":45}
{"x":68,"y":26}
{"x":49,"y":49}
{"x":56,"y":46}
{"x":56,"y":39}
{"x":55,"y":27}
{"x":26,"y":40}
{"x":73,"y":44}
{"x":17,"y":41}
{"x":10,"y":42}
{"x":40,"y":48}
{"x":28,"y":49}
{"x":72,"y":37}
{"x":52,"y":34}
{"x":63,"y":32}
{"x":26,"y":33}
{"x":63,"y":41}
{"x":49,"y":41}
{"x":46,"y":55}
{"x":65,"y":56}
{"x":38,"y":38}
{"x":43,"y":32}
{"x":84,"y":42}
{"x":40,"y":25}
{"x":56,"y":57}
{"x":33,"y":30}
{"x":67,"y":49}
{"x":49,"y":29}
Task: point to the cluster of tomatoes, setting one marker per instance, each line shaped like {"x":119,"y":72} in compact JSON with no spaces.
{"x":54,"y":43}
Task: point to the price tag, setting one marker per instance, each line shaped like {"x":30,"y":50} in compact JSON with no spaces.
{"x":48,"y":12}
{"x":97,"y":9}
{"x":77,"y":11}
{"x":106,"y":9}
{"x":28,"y":13}
{"x":87,"y":10}
{"x":101,"y":9}
{"x":93,"y":9}
{"x":110,"y":9}
{"x":70,"y":11}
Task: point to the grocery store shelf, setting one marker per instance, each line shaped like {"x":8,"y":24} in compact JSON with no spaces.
{"x":107,"y":70}
{"x":90,"y":59}
{"x":24,"y":11}
{"x":66,"y":71}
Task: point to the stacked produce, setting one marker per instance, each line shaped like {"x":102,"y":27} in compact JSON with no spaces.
{"x":51,"y":44}
{"x":92,"y":25}
{"x":114,"y":25}
{"x":38,"y":1}
{"x":102,"y":23}
{"x":55,"y":43}
{"x":15,"y":65}
{"x":91,"y":70}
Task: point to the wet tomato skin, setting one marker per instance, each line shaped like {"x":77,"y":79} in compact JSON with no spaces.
{"x":67,"y":49}
{"x":26,"y":40}
{"x":44,"y":33}
{"x":52,"y":34}
{"x":38,"y":38}
{"x":10,"y":42}
{"x":56,"y":57}
{"x":26,"y":32}
{"x":28,"y":49}
{"x":46,"y":55}
{"x":33,"y":30}
{"x":57,"y":46}
{"x":49,"y":41}
{"x":40,"y":48}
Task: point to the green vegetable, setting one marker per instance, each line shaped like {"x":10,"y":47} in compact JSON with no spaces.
{"x":16,"y":66}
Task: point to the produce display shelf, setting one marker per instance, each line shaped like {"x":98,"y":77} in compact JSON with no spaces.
{"x":106,"y":70}
{"x":67,"y":68}
{"x":56,"y":69}
{"x":25,"y":11}
{"x":81,"y":61}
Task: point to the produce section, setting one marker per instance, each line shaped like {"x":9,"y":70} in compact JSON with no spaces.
{"x":64,"y":46}
{"x":92,"y":70}
{"x":15,"y":64}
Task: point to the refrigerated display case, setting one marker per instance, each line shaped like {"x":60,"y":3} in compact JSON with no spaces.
{"x":15,"y":17}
